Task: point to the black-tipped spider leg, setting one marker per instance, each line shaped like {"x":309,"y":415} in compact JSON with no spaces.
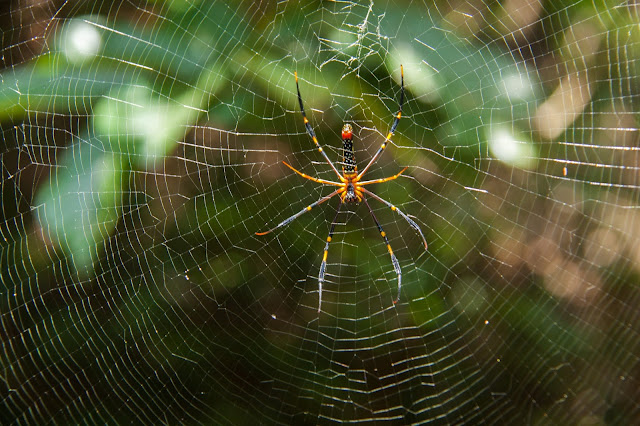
{"x":393,"y":128}
{"x":394,"y":259}
{"x":404,"y":216}
{"x":310,"y":129}
{"x":323,"y":265}
{"x":301,"y":212}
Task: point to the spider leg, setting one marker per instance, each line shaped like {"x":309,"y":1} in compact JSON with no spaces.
{"x":323,"y":265}
{"x":310,"y":129}
{"x":387,"y":179}
{"x":397,"y":210}
{"x":394,"y":259}
{"x":328,"y":182}
{"x":301,"y":212}
{"x":393,"y":127}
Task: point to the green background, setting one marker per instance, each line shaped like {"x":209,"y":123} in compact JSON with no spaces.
{"x":133,"y":286}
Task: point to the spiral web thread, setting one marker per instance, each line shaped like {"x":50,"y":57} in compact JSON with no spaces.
{"x":142,"y":149}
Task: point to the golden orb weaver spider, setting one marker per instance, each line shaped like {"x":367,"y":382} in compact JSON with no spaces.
{"x":351,"y":188}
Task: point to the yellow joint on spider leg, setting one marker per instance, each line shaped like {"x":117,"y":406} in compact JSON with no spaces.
{"x":324,"y":256}
{"x":328,"y":239}
{"x":308,"y":208}
{"x":393,"y":208}
{"x":383,"y":234}
{"x":389,"y":248}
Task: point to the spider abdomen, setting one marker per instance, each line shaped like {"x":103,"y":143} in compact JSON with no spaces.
{"x":348,"y":156}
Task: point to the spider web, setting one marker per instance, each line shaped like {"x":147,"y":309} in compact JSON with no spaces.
{"x":142,"y":149}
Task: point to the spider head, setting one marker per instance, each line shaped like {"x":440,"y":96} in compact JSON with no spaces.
{"x":347,"y":132}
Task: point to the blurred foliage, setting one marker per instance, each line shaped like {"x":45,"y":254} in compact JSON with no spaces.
{"x":136,"y":151}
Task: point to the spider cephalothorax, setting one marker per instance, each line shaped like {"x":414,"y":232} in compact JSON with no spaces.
{"x":351,"y":188}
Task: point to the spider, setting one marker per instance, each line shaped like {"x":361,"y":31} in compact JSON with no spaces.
{"x":351,"y":188}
